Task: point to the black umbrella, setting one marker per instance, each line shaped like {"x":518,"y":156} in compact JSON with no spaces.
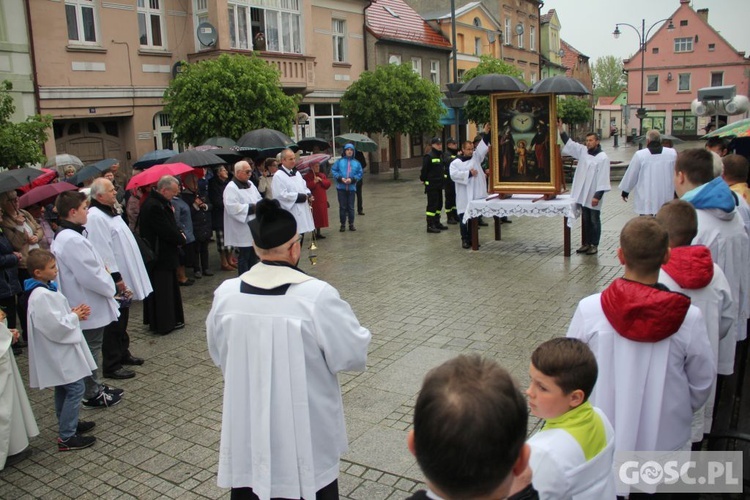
{"x":196,"y":159}
{"x":268,"y":142}
{"x":561,"y":85}
{"x":93,"y":170}
{"x":19,"y":177}
{"x":308,"y":143}
{"x":493,"y":84}
{"x":153,"y":158}
{"x":222,"y":142}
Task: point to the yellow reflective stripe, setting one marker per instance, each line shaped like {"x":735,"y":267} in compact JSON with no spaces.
{"x":436,"y":160}
{"x":431,"y":214}
{"x":426,"y":183}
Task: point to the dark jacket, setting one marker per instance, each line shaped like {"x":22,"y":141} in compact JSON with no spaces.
{"x":201,"y":218}
{"x":159,"y":228}
{"x":432,"y":170}
{"x":9,"y":284}
{"x":216,"y":198}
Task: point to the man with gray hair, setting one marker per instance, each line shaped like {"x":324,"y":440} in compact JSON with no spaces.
{"x":162,"y":310}
{"x":651,"y":174}
{"x":291,"y":190}
{"x":240,"y":197}
{"x":114,"y":241}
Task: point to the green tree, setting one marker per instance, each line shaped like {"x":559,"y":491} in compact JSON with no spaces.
{"x":477,"y":108}
{"x":392,"y":100}
{"x":574,"y":110}
{"x":227,"y":96}
{"x":609,"y":79}
{"x":20,"y":143}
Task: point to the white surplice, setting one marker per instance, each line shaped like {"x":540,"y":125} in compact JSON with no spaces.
{"x":17,"y":423}
{"x":724,"y":234}
{"x":650,"y":180}
{"x":237,"y":214}
{"x":648,"y":390}
{"x":83,"y":278}
{"x":286,"y":189}
{"x":117,"y":247}
{"x":469,"y":187}
{"x":591,"y":174}
{"x":283,"y":428}
{"x":560,"y":470}
{"x":58,"y":352}
{"x":720,"y":314}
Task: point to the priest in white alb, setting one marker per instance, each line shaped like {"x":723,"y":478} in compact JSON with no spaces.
{"x":240,"y":197}
{"x":291,"y":190}
{"x":651,"y":175}
{"x":280,"y":337}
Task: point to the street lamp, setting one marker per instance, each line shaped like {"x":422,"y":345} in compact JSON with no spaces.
{"x":643,"y":38}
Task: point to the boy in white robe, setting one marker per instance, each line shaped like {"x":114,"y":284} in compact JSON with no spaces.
{"x":691,"y":271}
{"x":655,"y":362}
{"x":651,"y":174}
{"x":469,"y":430}
{"x":280,"y":337}
{"x":573,"y":454}
{"x":59,"y":356}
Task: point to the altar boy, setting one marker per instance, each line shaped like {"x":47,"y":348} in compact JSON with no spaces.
{"x":655,"y":361}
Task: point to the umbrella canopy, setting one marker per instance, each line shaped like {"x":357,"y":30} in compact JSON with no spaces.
{"x":196,"y":159}
{"x":304,"y":163}
{"x":361,"y":142}
{"x":48,"y":176}
{"x":268,"y":142}
{"x":493,"y":84}
{"x":43,"y":195}
{"x":226,"y":154}
{"x":17,"y":178}
{"x":153,"y":174}
{"x":308,"y":143}
{"x":153,"y":158}
{"x":559,"y":84}
{"x":58,"y":161}
{"x":93,"y":170}
{"x":664,"y":137}
{"x":736,"y":129}
{"x":221,"y":142}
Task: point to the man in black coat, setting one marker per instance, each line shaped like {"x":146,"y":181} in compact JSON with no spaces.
{"x":162,"y":310}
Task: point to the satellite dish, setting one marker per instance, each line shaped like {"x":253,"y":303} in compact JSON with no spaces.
{"x":207,"y":34}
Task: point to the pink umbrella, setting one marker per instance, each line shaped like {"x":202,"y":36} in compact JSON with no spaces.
{"x":43,"y":195}
{"x":304,"y":163}
{"x":153,"y":174}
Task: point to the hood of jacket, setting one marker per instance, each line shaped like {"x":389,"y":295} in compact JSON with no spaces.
{"x":714,"y":194}
{"x":348,"y":145}
{"x":691,"y":266}
{"x":643,"y":313}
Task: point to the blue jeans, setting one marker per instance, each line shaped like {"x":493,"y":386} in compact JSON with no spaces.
{"x":246,"y":259}
{"x":592,"y":226}
{"x":67,"y":402}
{"x":94,"y":339}
{"x":346,"y":205}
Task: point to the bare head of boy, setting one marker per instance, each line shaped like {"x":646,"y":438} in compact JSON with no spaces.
{"x":470,"y":429}
{"x":680,"y":220}
{"x":563,"y":373}
{"x":693,"y":168}
{"x":42,"y":266}
{"x":644,"y":248}
{"x":72,"y":206}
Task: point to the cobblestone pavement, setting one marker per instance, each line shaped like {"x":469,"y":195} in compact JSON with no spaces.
{"x":424,"y":298}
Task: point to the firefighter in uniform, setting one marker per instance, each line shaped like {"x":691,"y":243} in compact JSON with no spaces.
{"x":432,"y":177}
{"x":450,"y":154}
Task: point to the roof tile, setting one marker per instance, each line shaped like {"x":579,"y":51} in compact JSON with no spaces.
{"x":407,"y":27}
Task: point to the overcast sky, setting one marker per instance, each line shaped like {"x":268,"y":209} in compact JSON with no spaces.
{"x":588,"y":24}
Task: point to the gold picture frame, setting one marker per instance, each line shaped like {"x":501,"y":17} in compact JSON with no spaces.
{"x":525,"y":156}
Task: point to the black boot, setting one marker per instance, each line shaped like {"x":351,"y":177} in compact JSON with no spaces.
{"x":438,"y":224}
{"x":431,"y":225}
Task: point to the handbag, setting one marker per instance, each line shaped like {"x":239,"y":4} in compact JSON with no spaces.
{"x":147,"y":253}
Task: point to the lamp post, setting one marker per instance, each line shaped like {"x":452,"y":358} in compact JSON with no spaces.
{"x":643,"y":39}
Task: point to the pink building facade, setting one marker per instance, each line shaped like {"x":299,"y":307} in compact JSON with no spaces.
{"x":677,"y":63}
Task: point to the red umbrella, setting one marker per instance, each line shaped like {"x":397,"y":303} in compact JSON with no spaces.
{"x":44,"y":194}
{"x":48,"y":176}
{"x":153,"y":174}
{"x":304,"y":163}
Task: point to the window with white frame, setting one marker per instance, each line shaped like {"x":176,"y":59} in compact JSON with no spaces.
{"x":508,"y":33}
{"x":532,"y":37}
{"x":683,"y":44}
{"x":338,"y":31}
{"x":150,"y":23}
{"x":477,"y":46}
{"x":416,"y":65}
{"x":80,"y":16}
{"x":272,"y":25}
{"x":435,"y":72}
{"x":653,"y":83}
{"x":532,"y":78}
{"x":683,"y":82}
{"x":394,"y":59}
{"x":520,"y":36}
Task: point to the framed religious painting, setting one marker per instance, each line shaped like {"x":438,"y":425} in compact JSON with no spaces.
{"x":525,"y":156}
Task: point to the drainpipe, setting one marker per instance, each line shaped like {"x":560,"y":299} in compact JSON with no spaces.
{"x":32,"y":56}
{"x":364,"y":35}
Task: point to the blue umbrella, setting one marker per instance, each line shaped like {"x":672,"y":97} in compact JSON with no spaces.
{"x":93,"y":170}
{"x":153,"y":158}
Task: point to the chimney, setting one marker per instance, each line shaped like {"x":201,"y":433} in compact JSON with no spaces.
{"x":703,"y":14}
